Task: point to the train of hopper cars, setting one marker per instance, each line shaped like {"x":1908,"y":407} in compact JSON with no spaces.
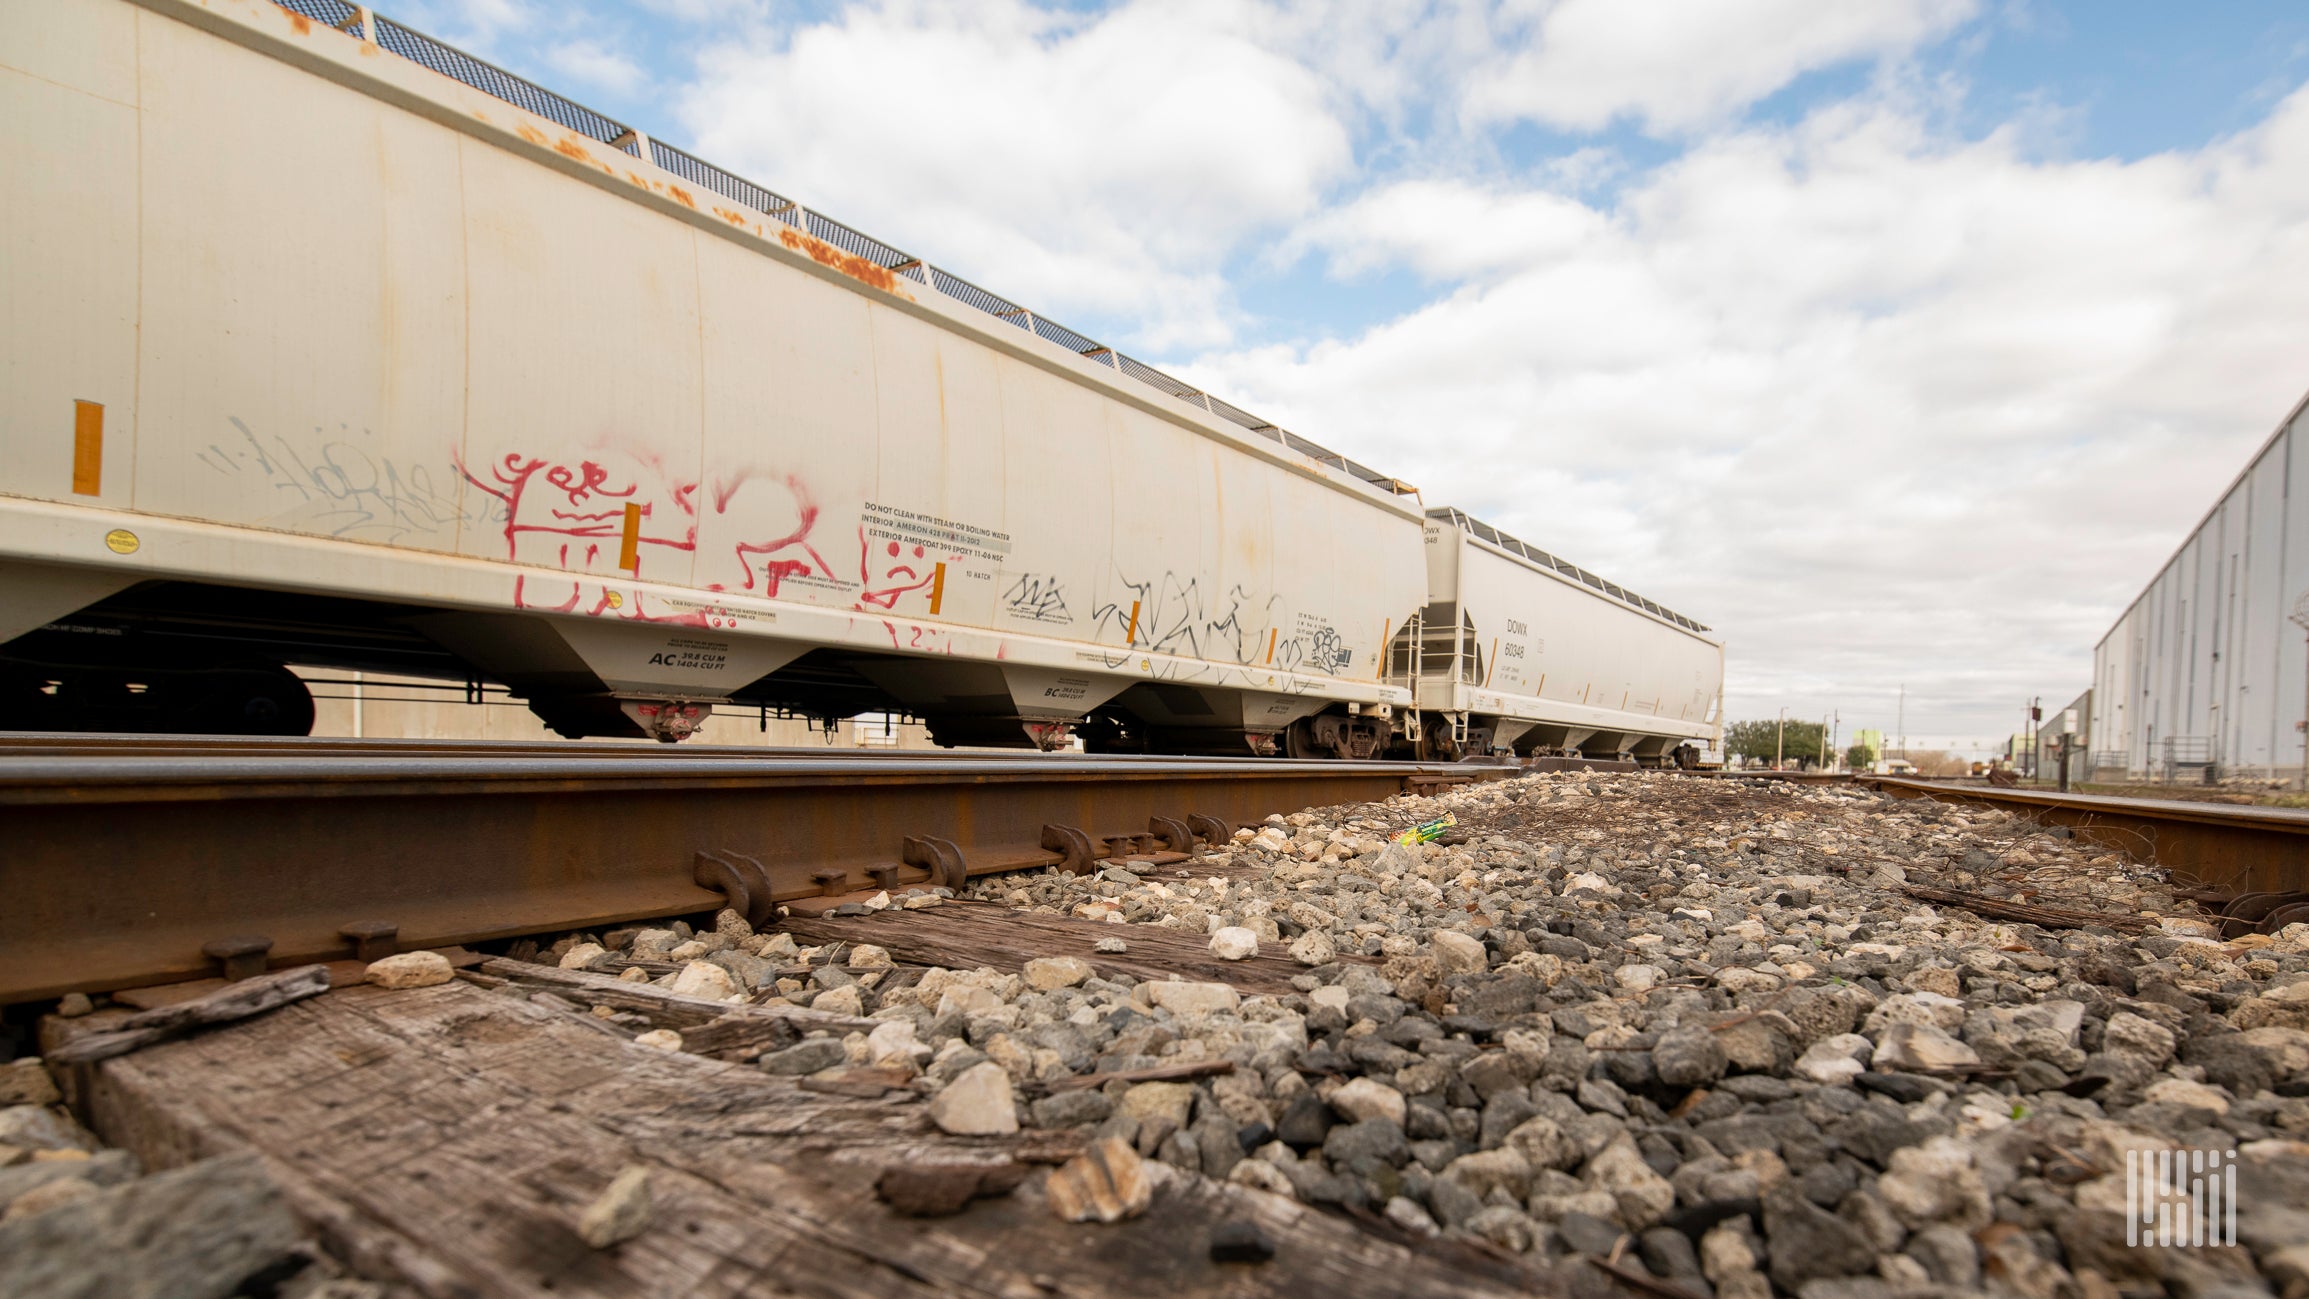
{"x":331,"y":345}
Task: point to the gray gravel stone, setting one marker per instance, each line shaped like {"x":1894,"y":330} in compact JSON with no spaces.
{"x":807,"y":1056}
{"x":1808,"y":1242}
{"x":1688,"y":1057}
{"x":1362,"y":1147}
{"x":1634,"y":965}
{"x":199,"y":1230}
{"x":1072,"y":1108}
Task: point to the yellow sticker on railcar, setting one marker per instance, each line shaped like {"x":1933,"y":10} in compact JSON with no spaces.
{"x":120,"y":541}
{"x":613,"y":599}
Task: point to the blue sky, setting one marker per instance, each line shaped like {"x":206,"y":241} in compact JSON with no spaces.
{"x":2119,"y":79}
{"x":1898,"y":339}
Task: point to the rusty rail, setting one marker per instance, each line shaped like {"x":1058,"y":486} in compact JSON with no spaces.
{"x":2230,"y":850}
{"x":121,"y":867}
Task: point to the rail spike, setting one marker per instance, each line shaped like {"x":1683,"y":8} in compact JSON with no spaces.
{"x":1081,"y":857}
{"x":938,"y":856}
{"x":1173,"y":832}
{"x":1216,"y":831}
{"x":743,"y":882}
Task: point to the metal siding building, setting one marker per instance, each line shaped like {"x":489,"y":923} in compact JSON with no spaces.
{"x":2205,"y":666}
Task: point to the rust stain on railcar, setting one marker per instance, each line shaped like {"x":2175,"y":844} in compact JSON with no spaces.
{"x":825,"y":254}
{"x":735,"y":218}
{"x":580,"y":149}
{"x":300,"y":24}
{"x":682,"y":197}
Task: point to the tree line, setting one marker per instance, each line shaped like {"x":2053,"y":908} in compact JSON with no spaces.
{"x":1800,"y":741}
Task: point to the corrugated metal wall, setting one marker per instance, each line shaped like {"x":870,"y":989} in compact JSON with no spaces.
{"x":2207,"y":666}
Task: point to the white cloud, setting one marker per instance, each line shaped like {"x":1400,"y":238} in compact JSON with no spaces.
{"x":593,"y":66}
{"x":1879,"y":404}
{"x":1449,"y":230}
{"x":1679,"y":64}
{"x":708,"y":11}
{"x":1105,"y":164}
{"x":474,"y":25}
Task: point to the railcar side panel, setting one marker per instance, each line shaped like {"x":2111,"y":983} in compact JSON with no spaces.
{"x":325,"y":294}
{"x":68,"y":284}
{"x":790,"y":396}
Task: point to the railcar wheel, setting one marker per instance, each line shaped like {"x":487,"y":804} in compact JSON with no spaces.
{"x":1435,"y":742}
{"x":1299,"y":742}
{"x":249,"y":701}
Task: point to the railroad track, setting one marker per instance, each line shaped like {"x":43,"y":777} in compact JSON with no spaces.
{"x":2250,"y":864}
{"x":137,"y":860}
{"x":134,"y":861}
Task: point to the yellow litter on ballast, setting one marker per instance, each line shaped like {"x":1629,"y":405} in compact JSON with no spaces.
{"x":1427,"y":833}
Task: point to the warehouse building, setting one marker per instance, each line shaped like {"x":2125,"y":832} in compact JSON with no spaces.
{"x":2207,"y":673}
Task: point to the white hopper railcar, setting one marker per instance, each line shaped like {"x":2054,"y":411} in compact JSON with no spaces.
{"x":1521,"y":651}
{"x":327,"y":344}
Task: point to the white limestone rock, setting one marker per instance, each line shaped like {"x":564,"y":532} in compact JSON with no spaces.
{"x":1049,"y":972}
{"x":1313,"y":948}
{"x":977,"y":1103}
{"x":1920,"y":1048}
{"x":621,"y":1212}
{"x":1234,"y":943}
{"x":705,"y":981}
{"x":1365,"y":1098}
{"x":410,"y":970}
{"x":1191,"y":999}
{"x":1458,"y":953}
{"x":1835,"y":1061}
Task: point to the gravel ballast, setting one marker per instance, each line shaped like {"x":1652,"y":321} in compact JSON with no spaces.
{"x":1693,"y":1028}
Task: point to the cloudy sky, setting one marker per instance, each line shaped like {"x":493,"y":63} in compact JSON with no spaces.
{"x":1899,"y":340}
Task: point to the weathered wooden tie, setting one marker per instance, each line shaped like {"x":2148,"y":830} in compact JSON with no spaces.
{"x":449,"y":1137}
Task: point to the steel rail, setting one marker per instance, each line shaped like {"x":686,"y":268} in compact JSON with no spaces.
{"x":2228,"y":848}
{"x":51,"y":743}
{"x":120,"y":869}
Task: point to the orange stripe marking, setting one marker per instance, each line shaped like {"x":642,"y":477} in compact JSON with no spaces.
{"x":629,"y":549}
{"x":1132,"y":634}
{"x":937,"y":589}
{"x":87,"y":448}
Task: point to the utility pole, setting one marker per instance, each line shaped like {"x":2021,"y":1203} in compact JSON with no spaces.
{"x":1901,"y":726}
{"x":2036,"y":738}
{"x":1780,"y":743}
{"x":2065,"y":738}
{"x":2300,"y":618}
{"x":2028,"y":736}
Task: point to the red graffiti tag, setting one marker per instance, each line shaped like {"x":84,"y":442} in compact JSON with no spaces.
{"x":554,"y":508}
{"x":884,"y":589}
{"x":777,"y":570}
